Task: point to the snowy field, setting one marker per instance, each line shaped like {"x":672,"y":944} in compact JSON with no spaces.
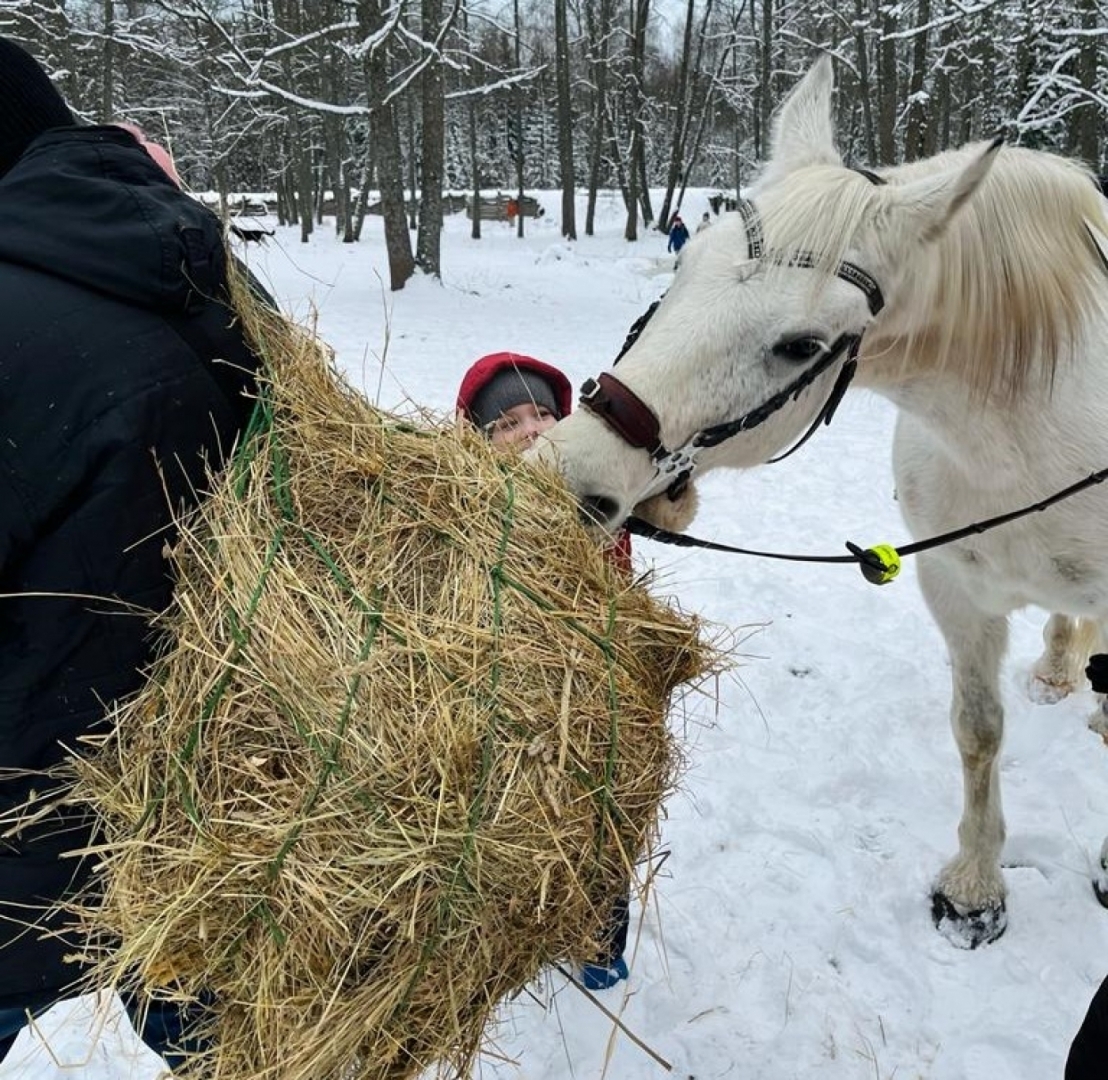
{"x":789,"y":933}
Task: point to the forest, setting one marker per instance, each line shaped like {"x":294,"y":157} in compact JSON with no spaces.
{"x":340,"y":108}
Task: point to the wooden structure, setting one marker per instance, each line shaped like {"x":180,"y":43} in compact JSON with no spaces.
{"x":500,"y":207}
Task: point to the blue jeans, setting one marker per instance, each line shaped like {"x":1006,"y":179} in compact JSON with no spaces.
{"x":165,"y":1030}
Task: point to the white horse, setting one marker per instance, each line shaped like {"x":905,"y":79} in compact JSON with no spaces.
{"x":972,"y":290}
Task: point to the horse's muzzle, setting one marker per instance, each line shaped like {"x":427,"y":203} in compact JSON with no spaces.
{"x":598,"y":510}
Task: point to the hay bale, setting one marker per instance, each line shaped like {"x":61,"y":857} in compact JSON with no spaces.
{"x":403,"y":748}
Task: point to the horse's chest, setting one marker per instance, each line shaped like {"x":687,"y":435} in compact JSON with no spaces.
{"x":1054,"y":559}
{"x":950,"y":477}
{"x":1004,"y":574}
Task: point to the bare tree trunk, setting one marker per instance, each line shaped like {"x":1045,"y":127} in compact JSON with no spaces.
{"x":286,"y":194}
{"x":219,"y":174}
{"x":865,"y":83}
{"x":1085,"y":131}
{"x":915,"y":137}
{"x":765,"y":99}
{"x":300,"y":173}
{"x":386,"y":144}
{"x":302,"y":165}
{"x":335,"y":84}
{"x":636,"y":156}
{"x":565,"y":121}
{"x":334,"y":137}
{"x":428,"y":241}
{"x":679,"y":136}
{"x":886,"y":88}
{"x":475,"y":169}
{"x":967,"y":81}
{"x":915,"y":133}
{"x":412,"y":202}
{"x":349,"y":234}
{"x":621,"y":170}
{"x":707,"y":114}
{"x":474,"y":164}
{"x":363,"y":195}
{"x":599,"y":23}
{"x":644,"y":185}
{"x":736,"y":125}
{"x":517,"y":113}
{"x":686,"y":153}
{"x":107,"y":86}
{"x":938,"y":131}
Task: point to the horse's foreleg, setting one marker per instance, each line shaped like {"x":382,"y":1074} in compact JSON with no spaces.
{"x":1067,"y":643}
{"x":968,"y":900}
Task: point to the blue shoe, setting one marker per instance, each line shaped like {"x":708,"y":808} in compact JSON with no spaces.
{"x":601,"y":976}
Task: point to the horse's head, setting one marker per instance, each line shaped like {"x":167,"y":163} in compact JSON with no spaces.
{"x":743,"y":353}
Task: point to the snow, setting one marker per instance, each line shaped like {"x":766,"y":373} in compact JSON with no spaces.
{"x":788,"y":933}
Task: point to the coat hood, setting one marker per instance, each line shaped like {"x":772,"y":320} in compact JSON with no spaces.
{"x":89,"y":205}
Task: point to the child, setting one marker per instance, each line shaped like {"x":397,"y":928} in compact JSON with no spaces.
{"x":678,"y":235}
{"x":513,"y":399}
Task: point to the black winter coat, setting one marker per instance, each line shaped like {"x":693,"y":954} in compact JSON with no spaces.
{"x":121,"y":371}
{"x":1088,"y":1056}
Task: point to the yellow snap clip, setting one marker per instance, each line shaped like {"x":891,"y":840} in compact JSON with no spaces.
{"x":880,"y":564}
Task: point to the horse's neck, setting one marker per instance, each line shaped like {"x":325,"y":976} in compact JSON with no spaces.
{"x":991,"y":432}
{"x":913,"y":380}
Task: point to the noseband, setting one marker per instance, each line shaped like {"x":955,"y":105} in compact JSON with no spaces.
{"x":637,"y":424}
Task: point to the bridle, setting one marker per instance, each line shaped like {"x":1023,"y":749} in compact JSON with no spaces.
{"x":636,"y":423}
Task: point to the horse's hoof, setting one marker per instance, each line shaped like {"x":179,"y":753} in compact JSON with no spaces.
{"x":1046,"y":691}
{"x":969,"y":930}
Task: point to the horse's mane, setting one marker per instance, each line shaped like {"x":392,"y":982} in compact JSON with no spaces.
{"x":1000,"y":294}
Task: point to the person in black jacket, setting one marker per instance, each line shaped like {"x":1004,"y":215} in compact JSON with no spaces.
{"x":1088,"y":1056}
{"x":123,"y":375}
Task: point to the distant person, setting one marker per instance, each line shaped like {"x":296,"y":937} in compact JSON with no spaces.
{"x":125,"y":375}
{"x":705,"y":222}
{"x":678,"y":236}
{"x":513,"y":399}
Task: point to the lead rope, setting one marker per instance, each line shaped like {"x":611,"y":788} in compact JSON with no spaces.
{"x":881,"y":563}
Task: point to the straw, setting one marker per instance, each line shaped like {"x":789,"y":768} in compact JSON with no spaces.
{"x":404,"y":745}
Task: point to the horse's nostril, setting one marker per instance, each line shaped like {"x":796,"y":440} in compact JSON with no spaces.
{"x":597,"y":509}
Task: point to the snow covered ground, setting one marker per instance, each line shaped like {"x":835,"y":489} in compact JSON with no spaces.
{"x":789,"y":932}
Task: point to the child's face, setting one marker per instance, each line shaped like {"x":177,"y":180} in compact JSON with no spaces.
{"x":518,"y":427}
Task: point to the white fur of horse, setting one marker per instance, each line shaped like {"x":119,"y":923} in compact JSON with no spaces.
{"x":994,"y":346}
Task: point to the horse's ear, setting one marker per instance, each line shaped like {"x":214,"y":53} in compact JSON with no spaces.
{"x":927,"y":206}
{"x":802,"y":130}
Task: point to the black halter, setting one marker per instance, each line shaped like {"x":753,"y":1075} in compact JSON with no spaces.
{"x":637,"y":424}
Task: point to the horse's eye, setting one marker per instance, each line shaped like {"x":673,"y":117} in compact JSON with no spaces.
{"x":799,"y":349}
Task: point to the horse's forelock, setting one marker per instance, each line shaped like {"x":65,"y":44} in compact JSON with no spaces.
{"x":821,"y":211}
